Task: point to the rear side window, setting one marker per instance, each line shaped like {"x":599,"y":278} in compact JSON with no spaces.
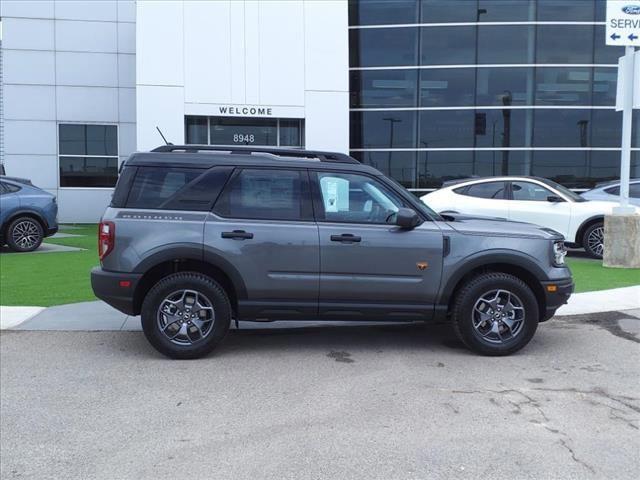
{"x":634,"y":190}
{"x":491,"y":190}
{"x":8,"y":188}
{"x":266,"y":195}
{"x":176,"y":188}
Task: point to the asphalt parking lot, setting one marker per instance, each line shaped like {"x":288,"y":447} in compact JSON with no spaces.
{"x":357,"y":402}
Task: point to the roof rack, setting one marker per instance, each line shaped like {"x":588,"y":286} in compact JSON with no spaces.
{"x":282,"y":152}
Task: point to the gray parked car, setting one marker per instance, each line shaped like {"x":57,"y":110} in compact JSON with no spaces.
{"x":610,"y":192}
{"x":28,"y":214}
{"x":197,"y":236}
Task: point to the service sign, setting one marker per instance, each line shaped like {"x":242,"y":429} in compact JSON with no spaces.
{"x":623,"y":23}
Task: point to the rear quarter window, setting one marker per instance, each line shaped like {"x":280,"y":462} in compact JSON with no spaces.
{"x":176,"y":188}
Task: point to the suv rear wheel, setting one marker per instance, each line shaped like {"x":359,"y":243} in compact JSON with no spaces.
{"x":495,"y":314}
{"x":185,"y":315}
{"x":24,"y":234}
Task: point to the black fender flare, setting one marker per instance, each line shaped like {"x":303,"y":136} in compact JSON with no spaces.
{"x":491,"y":257}
{"x":193,"y":251}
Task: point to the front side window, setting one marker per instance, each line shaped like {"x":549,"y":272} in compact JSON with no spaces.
{"x":88,"y":155}
{"x":266,"y":195}
{"x":356,"y":198}
{"x":490,"y":190}
{"x":528,"y":191}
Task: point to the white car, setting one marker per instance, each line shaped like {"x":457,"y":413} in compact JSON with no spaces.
{"x":528,"y":199}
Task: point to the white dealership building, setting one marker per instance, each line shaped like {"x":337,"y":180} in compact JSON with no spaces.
{"x":424,"y":90}
{"x":85,"y":83}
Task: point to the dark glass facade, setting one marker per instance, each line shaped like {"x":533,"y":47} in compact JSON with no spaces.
{"x":444,"y":89}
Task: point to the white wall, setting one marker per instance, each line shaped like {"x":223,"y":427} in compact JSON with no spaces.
{"x":65,"y":61}
{"x":291,"y":55}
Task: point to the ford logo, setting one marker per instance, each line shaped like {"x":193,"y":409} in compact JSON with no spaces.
{"x":631,"y":9}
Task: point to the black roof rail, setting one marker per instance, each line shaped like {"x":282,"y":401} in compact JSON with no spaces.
{"x":282,"y":152}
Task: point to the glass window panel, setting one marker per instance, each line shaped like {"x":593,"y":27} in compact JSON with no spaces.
{"x":635,"y":135}
{"x":564,"y":44}
{"x":563,"y":86}
{"x":503,"y":128}
{"x":577,"y":169}
{"x":383,"y":88}
{"x":605,"y":81}
{"x":152,"y":187}
{"x":505,"y":44}
{"x":570,"y":10}
{"x":505,"y":10}
{"x":447,"y":87}
{"x":635,"y":164}
{"x":446,"y":128}
{"x":88,"y":171}
{"x":606,"y":128}
{"x":381,"y":12}
{"x":382,"y":129}
{"x":398,"y":165}
{"x":442,"y":11}
{"x":72,"y":139}
{"x":502,"y":162}
{"x":243,"y":131}
{"x":605,"y":54}
{"x":438,"y":166}
{"x":494,"y":83}
{"x":561,"y":128}
{"x":383,"y":47}
{"x":601,"y":10}
{"x":290,"y":133}
{"x":448,"y":45}
{"x":265,"y":194}
{"x":102,"y":140}
{"x":196,"y":130}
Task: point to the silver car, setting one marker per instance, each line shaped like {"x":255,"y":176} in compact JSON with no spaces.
{"x":610,"y":191}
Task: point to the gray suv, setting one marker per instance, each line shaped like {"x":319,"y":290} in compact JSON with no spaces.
{"x":196,"y":236}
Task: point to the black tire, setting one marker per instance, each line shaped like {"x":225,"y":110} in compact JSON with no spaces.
{"x":24,"y":234}
{"x":473,"y":292}
{"x":152,"y":317}
{"x":590,"y":239}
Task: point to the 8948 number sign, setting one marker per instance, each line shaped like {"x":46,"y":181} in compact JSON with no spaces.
{"x":243,"y":138}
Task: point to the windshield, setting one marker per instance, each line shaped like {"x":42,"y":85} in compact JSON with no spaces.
{"x":571,"y":195}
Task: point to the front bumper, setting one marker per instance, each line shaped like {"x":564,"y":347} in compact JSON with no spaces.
{"x":555,"y":298}
{"x":116,"y":288}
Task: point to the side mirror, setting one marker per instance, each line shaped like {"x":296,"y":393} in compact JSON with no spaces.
{"x":407,"y":218}
{"x":554,"y":199}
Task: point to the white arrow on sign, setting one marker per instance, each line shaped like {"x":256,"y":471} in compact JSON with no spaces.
{"x":623,"y":23}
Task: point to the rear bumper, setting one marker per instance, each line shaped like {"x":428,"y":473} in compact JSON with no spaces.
{"x":555,"y":299}
{"x":51,"y":231}
{"x":115,"y":288}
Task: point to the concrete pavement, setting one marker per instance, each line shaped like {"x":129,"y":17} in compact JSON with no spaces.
{"x":356,"y":402}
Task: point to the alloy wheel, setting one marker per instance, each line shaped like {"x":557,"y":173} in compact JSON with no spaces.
{"x":595,"y":241}
{"x":26,"y":234}
{"x":498,"y":316}
{"x":186,"y":317}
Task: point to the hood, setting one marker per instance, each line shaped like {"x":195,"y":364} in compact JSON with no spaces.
{"x":497,"y":227}
{"x":600,"y":206}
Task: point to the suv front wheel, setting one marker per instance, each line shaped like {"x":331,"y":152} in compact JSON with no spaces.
{"x":495,"y":314}
{"x":185,"y":315}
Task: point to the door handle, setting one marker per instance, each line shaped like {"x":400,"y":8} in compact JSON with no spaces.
{"x":346,"y":238}
{"x":237,"y":235}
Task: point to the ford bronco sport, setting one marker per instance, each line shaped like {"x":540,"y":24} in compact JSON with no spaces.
{"x":196,"y":236}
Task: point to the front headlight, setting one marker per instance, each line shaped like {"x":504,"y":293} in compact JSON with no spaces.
{"x":559,"y":252}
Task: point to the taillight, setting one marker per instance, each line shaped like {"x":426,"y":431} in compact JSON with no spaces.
{"x":106,"y":238}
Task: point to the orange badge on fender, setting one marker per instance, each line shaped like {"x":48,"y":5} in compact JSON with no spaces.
{"x":422,"y":265}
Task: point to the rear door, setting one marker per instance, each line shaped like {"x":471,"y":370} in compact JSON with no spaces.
{"x":262,"y":224}
{"x":369,"y":267}
{"x":484,"y":199}
{"x":530,"y":203}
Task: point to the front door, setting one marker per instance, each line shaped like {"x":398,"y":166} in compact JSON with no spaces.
{"x":263,"y":225}
{"x":530,"y":203}
{"x":369,"y":267}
